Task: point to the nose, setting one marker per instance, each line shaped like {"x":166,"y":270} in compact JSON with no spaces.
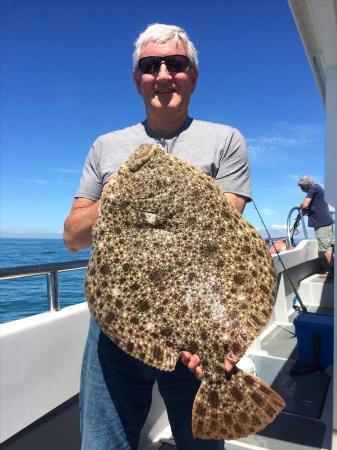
{"x":163,"y":73}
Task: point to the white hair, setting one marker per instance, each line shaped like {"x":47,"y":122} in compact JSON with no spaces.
{"x":305,"y":181}
{"x":159,"y":32}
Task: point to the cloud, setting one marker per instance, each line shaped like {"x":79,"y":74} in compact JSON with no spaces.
{"x":267,"y":212}
{"x":65,"y":94}
{"x":39,"y":181}
{"x":69,"y":171}
{"x":58,"y":180}
{"x":283,"y":136}
{"x":273,"y":230}
{"x":278,"y":227}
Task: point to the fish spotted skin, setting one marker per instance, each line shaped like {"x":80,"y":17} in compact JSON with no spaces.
{"x":175,"y":267}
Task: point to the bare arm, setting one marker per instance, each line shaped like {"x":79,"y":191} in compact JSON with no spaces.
{"x":81,"y":219}
{"x":305,"y":205}
{"x":79,"y":223}
{"x":238,"y":201}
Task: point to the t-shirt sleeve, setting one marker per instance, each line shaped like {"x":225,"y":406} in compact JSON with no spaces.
{"x":91,"y":180}
{"x":233,"y":173}
{"x":311,"y":192}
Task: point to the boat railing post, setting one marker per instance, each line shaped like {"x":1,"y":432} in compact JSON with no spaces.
{"x":289,"y":228}
{"x":53,"y":291}
{"x":303,"y":225}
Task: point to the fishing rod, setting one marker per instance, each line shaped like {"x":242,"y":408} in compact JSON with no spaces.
{"x":303,"y":307}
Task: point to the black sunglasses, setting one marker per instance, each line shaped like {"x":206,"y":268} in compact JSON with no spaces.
{"x":174,"y":63}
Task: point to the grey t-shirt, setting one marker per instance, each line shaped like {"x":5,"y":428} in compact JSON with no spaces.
{"x":219,"y":150}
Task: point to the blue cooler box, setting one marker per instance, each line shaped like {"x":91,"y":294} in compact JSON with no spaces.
{"x":314,"y":332}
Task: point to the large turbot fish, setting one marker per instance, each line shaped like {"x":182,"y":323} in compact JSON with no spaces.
{"x":175,"y":267}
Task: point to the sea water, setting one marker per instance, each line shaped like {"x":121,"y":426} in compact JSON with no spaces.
{"x":27,"y":296}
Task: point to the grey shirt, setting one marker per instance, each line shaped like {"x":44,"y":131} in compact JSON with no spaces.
{"x":218,"y":150}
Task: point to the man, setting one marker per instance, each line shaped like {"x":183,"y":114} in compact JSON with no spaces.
{"x":116,"y":389}
{"x":319,"y":217}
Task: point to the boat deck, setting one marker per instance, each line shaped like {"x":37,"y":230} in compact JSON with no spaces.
{"x":301,"y":426}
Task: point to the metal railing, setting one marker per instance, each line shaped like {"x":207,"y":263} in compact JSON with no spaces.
{"x":291,"y":230}
{"x":51,"y":271}
{"x":290,"y":233}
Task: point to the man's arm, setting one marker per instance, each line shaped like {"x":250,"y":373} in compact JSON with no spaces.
{"x":238,"y":201}
{"x":82,"y":217}
{"x":79,"y":223}
{"x":305,"y":205}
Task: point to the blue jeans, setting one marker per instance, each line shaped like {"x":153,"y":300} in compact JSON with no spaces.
{"x":116,"y":393}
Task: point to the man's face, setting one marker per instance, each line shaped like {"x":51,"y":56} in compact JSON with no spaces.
{"x":165,"y":91}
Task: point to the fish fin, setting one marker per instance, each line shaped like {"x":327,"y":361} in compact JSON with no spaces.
{"x":152,"y":352}
{"x":235,"y":408}
{"x":156,"y":355}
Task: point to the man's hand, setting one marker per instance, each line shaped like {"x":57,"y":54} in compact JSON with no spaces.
{"x":193,"y":363}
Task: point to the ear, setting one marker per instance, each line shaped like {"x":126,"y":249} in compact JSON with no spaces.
{"x":137,"y":76}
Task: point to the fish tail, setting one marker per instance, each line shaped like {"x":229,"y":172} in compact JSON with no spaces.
{"x":234,"y":408}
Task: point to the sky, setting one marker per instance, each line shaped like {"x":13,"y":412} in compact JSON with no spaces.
{"x":66,"y":78}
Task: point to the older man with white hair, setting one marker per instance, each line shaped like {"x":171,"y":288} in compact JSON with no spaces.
{"x":116,"y":389}
{"x":319,"y":217}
